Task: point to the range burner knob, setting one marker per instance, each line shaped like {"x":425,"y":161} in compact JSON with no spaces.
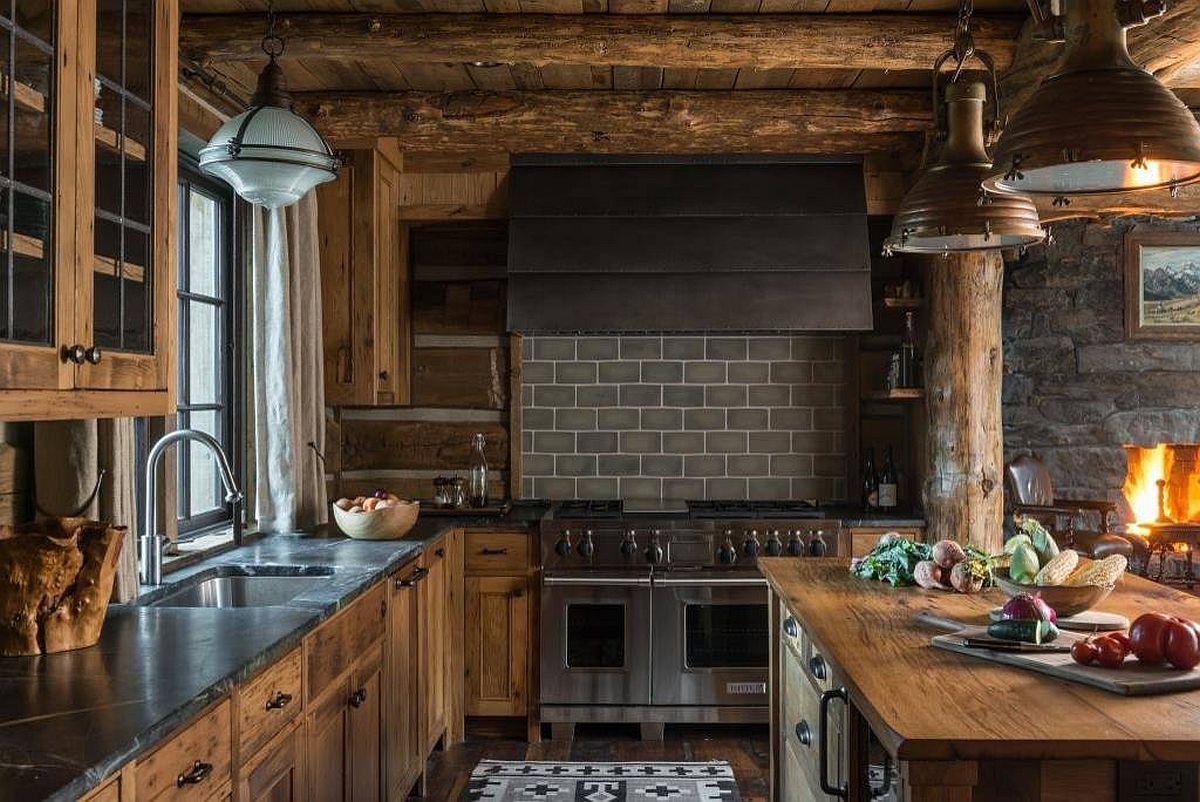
{"x":727,"y":554}
{"x":629,"y":545}
{"x":818,"y":547}
{"x":795,"y":546}
{"x":774,"y":544}
{"x":751,"y":546}
{"x":563,"y":547}
{"x":654,"y":553}
{"x":586,"y":547}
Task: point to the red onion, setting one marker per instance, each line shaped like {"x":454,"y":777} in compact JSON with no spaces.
{"x":1027,"y":607}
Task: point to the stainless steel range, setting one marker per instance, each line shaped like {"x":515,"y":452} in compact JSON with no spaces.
{"x":659,"y":615}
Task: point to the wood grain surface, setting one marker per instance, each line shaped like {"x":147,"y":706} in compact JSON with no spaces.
{"x":928,"y":704}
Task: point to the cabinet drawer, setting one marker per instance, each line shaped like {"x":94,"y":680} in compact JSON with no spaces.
{"x":497,"y":552}
{"x":194,"y":764}
{"x":341,"y":640}
{"x":268,"y":702}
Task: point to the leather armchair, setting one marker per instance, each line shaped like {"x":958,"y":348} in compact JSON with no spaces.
{"x":1030,"y":491}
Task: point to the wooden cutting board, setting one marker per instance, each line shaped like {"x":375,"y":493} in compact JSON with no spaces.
{"x":1132,"y":679}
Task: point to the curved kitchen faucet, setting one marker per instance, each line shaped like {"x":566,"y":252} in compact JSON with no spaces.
{"x":153,"y":543}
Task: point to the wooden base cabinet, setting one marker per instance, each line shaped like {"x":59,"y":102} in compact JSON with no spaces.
{"x":276,"y":773}
{"x":433,"y":680}
{"x":405,"y":738}
{"x":497,"y":647}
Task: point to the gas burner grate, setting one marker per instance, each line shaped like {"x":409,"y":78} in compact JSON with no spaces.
{"x":590,"y":508}
{"x":753,"y":509}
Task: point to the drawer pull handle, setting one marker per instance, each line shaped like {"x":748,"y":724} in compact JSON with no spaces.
{"x":198,"y":773}
{"x":413,"y":578}
{"x":493,"y":552}
{"x":358,"y":697}
{"x":279,"y":701}
{"x":818,"y":667}
{"x":790,"y":627}
{"x":804,"y":733}
{"x":823,"y":742}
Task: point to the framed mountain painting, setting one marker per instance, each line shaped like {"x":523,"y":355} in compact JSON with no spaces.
{"x":1162,"y":285}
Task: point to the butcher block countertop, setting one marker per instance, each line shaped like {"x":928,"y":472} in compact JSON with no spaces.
{"x":929,"y":704}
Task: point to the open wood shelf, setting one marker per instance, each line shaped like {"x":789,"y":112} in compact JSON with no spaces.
{"x":23,"y":245}
{"x":107,"y":266}
{"x":902,"y":303}
{"x":24,"y":96}
{"x":897,"y":394}
{"x":110,"y":140}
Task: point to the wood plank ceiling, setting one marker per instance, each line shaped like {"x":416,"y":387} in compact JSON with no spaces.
{"x":318,"y":74}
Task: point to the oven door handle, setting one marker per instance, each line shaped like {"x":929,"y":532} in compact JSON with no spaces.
{"x":597,"y":581}
{"x":720,"y":582}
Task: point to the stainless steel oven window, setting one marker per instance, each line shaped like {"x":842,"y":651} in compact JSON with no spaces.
{"x":596,"y":635}
{"x":725,"y":636}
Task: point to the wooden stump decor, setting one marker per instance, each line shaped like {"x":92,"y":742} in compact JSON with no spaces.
{"x":56,"y":577}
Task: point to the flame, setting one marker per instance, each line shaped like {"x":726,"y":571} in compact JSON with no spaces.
{"x":1146,"y":467}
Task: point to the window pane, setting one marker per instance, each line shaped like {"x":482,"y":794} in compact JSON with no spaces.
{"x":204,"y":485}
{"x":204,"y":347}
{"x":203,"y":242}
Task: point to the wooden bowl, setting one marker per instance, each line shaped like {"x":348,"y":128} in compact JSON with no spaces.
{"x":1067,"y":600}
{"x":389,"y":523}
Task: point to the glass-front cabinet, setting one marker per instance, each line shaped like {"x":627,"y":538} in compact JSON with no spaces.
{"x":87,"y":206}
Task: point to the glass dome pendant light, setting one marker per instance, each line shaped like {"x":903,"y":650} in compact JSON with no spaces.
{"x":270,"y":155}
{"x":945,"y":211}
{"x":1101,"y":123}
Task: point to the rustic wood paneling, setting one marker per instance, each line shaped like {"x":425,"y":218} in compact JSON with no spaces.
{"x":411,"y":487}
{"x":434,"y":445}
{"x":460,"y":377}
{"x":458,"y":308}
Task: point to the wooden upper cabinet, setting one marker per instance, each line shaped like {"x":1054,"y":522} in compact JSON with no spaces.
{"x":364,"y":283}
{"x":87,"y":251}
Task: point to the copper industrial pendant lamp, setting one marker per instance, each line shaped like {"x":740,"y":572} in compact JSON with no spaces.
{"x":1101,"y":123}
{"x":946,"y":211}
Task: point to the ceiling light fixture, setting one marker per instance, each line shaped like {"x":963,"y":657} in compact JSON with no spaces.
{"x":1100,"y":123}
{"x":945,"y":211}
{"x":270,"y":155}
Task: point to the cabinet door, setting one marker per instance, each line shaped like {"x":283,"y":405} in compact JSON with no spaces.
{"x":432,"y":610}
{"x":326,"y":736}
{"x":497,"y":633}
{"x":405,"y":744}
{"x":36,"y":193}
{"x":125,"y":259}
{"x":366,"y":728}
{"x":276,"y":772}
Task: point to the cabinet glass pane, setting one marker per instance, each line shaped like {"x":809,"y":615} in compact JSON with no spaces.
{"x":124,"y":182}
{"x":27,"y":65}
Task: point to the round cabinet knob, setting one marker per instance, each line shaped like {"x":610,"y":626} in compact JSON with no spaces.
{"x":93,"y":355}
{"x":563,"y":547}
{"x":774,"y":544}
{"x":751,"y":546}
{"x":629,"y":546}
{"x":727,"y":554}
{"x":790,"y":627}
{"x":818,"y":667}
{"x":586,"y":547}
{"x":654,"y":554}
{"x":795,"y":546}
{"x":818,"y":547}
{"x":74,"y":353}
{"x":804,"y":733}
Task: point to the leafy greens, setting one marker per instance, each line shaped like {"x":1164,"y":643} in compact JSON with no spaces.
{"x":892,"y":560}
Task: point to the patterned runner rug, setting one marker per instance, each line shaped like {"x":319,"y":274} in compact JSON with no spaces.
{"x":535,"y":781}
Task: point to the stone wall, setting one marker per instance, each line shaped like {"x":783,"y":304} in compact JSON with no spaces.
{"x":1075,"y":390}
{"x":683,"y":417}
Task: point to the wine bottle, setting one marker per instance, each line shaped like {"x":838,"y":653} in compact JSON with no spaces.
{"x":887,"y":482}
{"x":870,"y":483}
{"x":908,"y":353}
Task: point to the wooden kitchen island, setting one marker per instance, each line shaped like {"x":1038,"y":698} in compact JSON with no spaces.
{"x":955,"y":727}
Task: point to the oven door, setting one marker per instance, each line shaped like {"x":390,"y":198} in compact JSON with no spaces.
{"x":711,"y":639}
{"x":596,"y":638}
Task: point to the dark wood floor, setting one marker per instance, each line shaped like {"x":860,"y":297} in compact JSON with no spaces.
{"x":743,"y":747}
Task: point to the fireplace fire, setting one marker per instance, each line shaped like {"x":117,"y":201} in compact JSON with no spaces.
{"x":1162,"y":485}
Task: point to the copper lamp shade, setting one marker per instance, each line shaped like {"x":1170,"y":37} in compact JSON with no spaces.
{"x":945,"y":211}
{"x":1100,"y":124}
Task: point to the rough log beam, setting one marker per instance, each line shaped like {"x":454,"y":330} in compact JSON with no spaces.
{"x":812,"y":41}
{"x":769,"y":121}
{"x":1169,"y":44}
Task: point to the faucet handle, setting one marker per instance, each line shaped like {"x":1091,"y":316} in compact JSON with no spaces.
{"x":235,"y":497}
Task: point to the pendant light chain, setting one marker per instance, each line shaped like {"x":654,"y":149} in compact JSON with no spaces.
{"x":272,"y":44}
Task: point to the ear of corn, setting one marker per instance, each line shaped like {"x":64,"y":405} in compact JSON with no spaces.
{"x":1080,"y":568}
{"x":1058,"y":568}
{"x":1103,"y":572}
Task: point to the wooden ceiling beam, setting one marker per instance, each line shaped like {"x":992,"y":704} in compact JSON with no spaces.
{"x":802,"y":41}
{"x":764,"y":121}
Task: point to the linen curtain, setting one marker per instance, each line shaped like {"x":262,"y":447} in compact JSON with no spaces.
{"x":287,"y":395}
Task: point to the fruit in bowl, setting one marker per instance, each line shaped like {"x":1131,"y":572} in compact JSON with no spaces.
{"x":380,"y":516}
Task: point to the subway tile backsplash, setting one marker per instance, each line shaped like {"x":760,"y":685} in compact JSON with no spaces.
{"x":720,"y":417}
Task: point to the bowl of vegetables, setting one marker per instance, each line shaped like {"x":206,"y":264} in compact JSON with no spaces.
{"x":380,"y":516}
{"x":1066,"y":581}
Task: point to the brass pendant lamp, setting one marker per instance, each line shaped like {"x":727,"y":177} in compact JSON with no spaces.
{"x":945,"y":211}
{"x":1101,"y":123}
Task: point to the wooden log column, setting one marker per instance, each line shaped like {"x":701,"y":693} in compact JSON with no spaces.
{"x":963,"y":357}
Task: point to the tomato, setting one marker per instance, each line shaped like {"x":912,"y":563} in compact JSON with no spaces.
{"x":1084,"y":652}
{"x":1147,"y":637}
{"x":1181,"y":646}
{"x":1123,"y":639}
{"x":1109,"y":652}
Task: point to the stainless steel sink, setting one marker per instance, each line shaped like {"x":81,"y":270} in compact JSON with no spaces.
{"x":244,"y":586}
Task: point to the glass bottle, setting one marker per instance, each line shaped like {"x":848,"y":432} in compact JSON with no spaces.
{"x":908,"y":353}
{"x":888,"y":484}
{"x":870,"y":488}
{"x":477,"y":484}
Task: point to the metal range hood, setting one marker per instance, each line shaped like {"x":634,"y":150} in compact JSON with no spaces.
{"x":623,"y":244}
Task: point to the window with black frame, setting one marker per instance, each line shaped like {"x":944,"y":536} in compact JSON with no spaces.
{"x":209,"y":361}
